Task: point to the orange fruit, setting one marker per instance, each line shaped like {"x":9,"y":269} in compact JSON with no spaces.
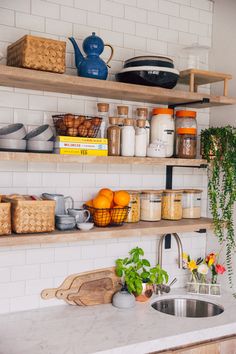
{"x":89,"y":203}
{"x":102,"y":217}
{"x":106,"y":192}
{"x":101,"y":202}
{"x":121,"y":198}
{"x":118,"y":216}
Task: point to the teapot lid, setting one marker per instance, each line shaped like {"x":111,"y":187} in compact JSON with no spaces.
{"x":93,"y":44}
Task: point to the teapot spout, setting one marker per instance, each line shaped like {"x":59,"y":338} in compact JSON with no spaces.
{"x":78,"y":55}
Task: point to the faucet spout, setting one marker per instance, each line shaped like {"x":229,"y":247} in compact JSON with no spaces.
{"x":180,"y":250}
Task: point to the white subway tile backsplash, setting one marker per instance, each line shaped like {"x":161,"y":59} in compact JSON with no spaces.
{"x":59,"y":28}
{"x":73,"y":15}
{"x":168,"y":7}
{"x":35,"y":23}
{"x":132,"y":27}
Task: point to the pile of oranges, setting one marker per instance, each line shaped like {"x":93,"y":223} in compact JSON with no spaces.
{"x":109,"y":207}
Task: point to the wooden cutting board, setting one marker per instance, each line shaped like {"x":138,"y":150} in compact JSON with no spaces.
{"x":87,"y":288}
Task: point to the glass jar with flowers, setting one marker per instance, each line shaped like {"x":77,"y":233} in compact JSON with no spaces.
{"x":212,"y":261}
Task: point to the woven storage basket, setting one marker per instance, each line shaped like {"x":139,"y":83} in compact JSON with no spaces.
{"x":5,"y":218}
{"x":32,"y":216}
{"x":37,"y":53}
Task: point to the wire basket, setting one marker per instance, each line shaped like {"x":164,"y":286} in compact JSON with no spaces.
{"x":108,"y":217}
{"x":76,"y":125}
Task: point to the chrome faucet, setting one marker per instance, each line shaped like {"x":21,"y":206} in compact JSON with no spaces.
{"x":180,"y":250}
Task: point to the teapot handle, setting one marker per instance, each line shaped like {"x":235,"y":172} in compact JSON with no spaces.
{"x":112,"y":52}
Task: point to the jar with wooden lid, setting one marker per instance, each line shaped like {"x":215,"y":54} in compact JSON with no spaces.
{"x":128,"y":138}
{"x":142,"y":113}
{"x":103,"y":112}
{"x":151,"y":205}
{"x":172,"y":204}
{"x":140,"y":138}
{"x":134,"y":204}
{"x":186,"y":143}
{"x":185,"y":119}
{"x":114,"y":137}
{"x":123,"y":111}
{"x":192,"y":203}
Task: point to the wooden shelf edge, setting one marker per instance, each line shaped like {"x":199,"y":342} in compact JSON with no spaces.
{"x":54,"y":158}
{"x":61,"y":83}
{"x":127,"y":230}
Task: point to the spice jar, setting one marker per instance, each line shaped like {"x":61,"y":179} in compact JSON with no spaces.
{"x":127,"y":138}
{"x":186,"y":143}
{"x":163,"y":127}
{"x":113,"y":135}
{"x":185,"y":119}
{"x":142,"y":113}
{"x":192,"y":203}
{"x":172,"y":204}
{"x":140,"y":138}
{"x":103,"y":112}
{"x":134,"y":204}
{"x":151,"y":205}
{"x":122,"y":111}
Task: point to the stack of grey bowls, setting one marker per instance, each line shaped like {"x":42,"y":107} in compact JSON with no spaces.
{"x":40,"y":139}
{"x":13,"y":137}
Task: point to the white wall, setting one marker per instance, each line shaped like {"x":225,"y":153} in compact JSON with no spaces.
{"x":133,"y":27}
{"x":222,"y":59}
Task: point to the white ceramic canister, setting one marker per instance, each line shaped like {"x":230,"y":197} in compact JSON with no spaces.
{"x":140,"y":138}
{"x":128,"y":138}
{"x":163,"y":128}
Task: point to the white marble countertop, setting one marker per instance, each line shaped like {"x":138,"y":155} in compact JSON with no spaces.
{"x":104,"y":329}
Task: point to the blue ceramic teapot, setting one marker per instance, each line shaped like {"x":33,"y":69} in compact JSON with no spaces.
{"x":92,"y":65}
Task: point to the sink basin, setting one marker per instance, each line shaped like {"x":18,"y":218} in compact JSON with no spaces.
{"x":182,"y":307}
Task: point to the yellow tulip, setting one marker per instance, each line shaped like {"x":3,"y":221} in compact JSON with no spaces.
{"x":192,"y":265}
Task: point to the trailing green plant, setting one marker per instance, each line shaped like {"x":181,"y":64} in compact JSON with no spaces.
{"x":136,"y":270}
{"x":219,"y":148}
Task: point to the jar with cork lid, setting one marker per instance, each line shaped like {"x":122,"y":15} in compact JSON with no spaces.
{"x":114,"y":137}
{"x":123,"y":111}
{"x":142,"y":113}
{"x":172,"y":204}
{"x":140,"y":138}
{"x":192,"y":203}
{"x":103,"y":112}
{"x":128,"y":138}
{"x":151,"y":205}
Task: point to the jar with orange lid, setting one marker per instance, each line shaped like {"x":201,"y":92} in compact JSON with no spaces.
{"x":172,"y":204}
{"x":163,"y":128}
{"x":185,"y":119}
{"x":186,"y":143}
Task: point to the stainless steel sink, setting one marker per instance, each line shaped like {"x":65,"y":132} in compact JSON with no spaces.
{"x":182,"y":307}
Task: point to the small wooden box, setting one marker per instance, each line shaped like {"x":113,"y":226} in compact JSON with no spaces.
{"x":37,"y":53}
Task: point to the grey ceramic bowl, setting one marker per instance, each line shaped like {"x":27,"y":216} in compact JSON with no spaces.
{"x":40,"y":146}
{"x":42,"y":133}
{"x":64,"y":219}
{"x":13,"y":131}
{"x":12,"y":145}
{"x":65,"y":227}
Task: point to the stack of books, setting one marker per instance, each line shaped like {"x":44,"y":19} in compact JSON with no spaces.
{"x":68,"y":145}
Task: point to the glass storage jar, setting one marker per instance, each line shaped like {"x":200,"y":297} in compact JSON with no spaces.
{"x":103,"y":112}
{"x":192,"y":203}
{"x":151,"y":205}
{"x":140,"y":138}
{"x":134,"y":204}
{"x":113,"y":135}
{"x":185,"y":119}
{"x":142,"y":113}
{"x":186,"y":143}
{"x":172,"y":204}
{"x":163,"y":128}
{"x":128,"y":138}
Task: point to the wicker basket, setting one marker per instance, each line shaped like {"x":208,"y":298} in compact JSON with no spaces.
{"x":37,"y":53}
{"x":5,"y":218}
{"x":32,"y":216}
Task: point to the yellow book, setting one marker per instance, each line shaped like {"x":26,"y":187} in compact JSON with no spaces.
{"x":76,"y":139}
{"x":81,"y":152}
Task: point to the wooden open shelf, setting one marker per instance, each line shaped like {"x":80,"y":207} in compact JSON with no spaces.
{"x":44,"y":81}
{"x":143,"y":228}
{"x":54,"y":158}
